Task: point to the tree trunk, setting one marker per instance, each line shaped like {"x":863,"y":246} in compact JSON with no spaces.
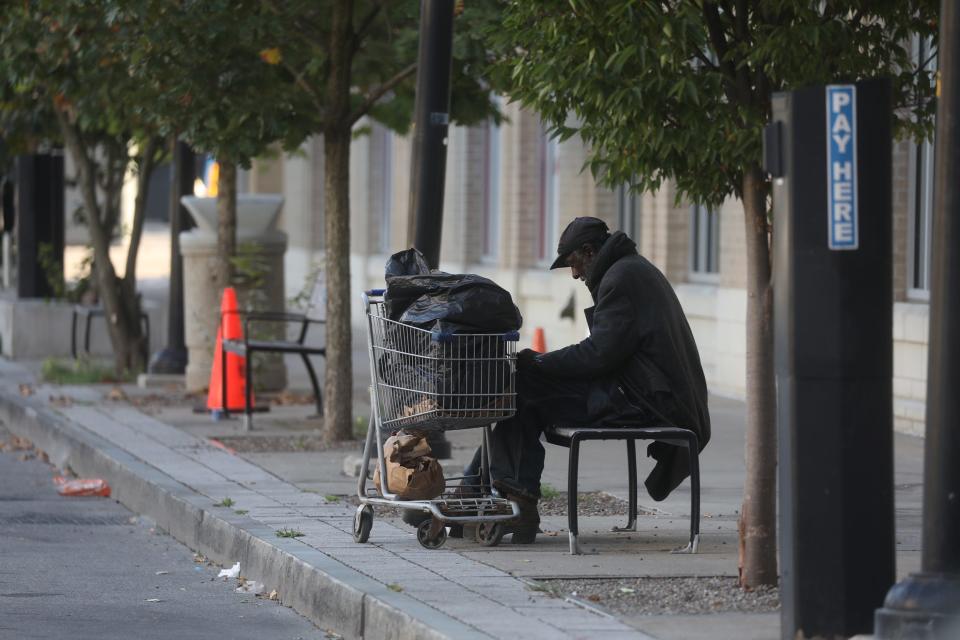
{"x":338,"y":383}
{"x":121,"y":304}
{"x":226,"y":223}
{"x":758,"y":542}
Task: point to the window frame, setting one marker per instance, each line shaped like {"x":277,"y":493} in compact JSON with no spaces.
{"x":385,"y":212}
{"x":629,"y":221}
{"x":549,"y":213}
{"x":921,"y":167}
{"x":491,"y":212}
{"x":704,"y":247}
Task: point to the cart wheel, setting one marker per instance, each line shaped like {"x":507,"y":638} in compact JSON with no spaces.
{"x":423,"y":536}
{"x":489,"y":534}
{"x":362,"y":523}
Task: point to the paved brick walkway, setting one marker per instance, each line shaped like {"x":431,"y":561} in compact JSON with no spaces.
{"x":476,"y":594}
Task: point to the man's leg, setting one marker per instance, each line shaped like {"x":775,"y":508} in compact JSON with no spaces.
{"x":516,"y":451}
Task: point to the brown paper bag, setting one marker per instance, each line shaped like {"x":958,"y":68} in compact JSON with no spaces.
{"x":404,"y":447}
{"x":420,"y":479}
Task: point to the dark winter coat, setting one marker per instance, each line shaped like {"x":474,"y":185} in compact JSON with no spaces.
{"x":640,"y":340}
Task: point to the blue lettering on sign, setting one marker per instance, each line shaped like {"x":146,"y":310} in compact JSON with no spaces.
{"x":842,"y":166}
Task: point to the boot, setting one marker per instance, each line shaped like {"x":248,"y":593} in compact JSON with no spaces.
{"x":414,"y":517}
{"x":525,"y":526}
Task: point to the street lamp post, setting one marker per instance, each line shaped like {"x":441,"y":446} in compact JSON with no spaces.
{"x":926,"y":605}
{"x":431,"y":120}
{"x":172,"y":359}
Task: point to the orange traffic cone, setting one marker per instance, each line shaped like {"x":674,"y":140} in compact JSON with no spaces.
{"x":229,"y":329}
{"x":539,"y":341}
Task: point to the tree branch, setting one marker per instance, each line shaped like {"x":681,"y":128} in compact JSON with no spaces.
{"x":307,"y":88}
{"x":87,"y":179}
{"x":147,"y":163}
{"x":380,"y":91}
{"x":711,"y":16}
{"x":365,"y":26}
{"x":308,"y":38}
{"x":705,"y":61}
{"x":737,"y":89}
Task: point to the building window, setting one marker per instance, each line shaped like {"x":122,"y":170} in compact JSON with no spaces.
{"x":385,"y":206}
{"x":628,"y":212}
{"x":491,"y":190}
{"x":549,"y":199}
{"x":704,"y":242}
{"x":921,"y":196}
{"x":921,"y":208}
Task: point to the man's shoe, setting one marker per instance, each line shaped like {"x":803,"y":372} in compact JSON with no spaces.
{"x":526,"y":525}
{"x":526,"y":536}
{"x":510,"y":487}
{"x":414,"y":518}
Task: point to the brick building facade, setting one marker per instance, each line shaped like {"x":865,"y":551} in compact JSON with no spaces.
{"x":510,"y":191}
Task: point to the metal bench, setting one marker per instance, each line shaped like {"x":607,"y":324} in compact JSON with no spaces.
{"x":90,"y":312}
{"x":571,"y":438}
{"x":247,"y":347}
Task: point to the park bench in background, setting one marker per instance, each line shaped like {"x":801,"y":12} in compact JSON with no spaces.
{"x":248,"y":346}
{"x":88,"y":312}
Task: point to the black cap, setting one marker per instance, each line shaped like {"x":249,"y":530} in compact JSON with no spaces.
{"x":581,"y":230}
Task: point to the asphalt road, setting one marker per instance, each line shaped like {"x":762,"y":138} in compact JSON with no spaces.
{"x":77,"y":568}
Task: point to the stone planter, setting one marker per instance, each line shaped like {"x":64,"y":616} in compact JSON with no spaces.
{"x":257,"y":238}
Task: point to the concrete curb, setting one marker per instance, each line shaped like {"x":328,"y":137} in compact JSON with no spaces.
{"x":329,"y":593}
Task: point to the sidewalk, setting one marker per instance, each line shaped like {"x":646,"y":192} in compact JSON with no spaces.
{"x":164,"y":465}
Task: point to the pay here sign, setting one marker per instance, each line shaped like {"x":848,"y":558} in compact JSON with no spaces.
{"x":842,"y":166}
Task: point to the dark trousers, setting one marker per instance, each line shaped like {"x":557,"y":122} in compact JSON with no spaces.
{"x":515,"y":448}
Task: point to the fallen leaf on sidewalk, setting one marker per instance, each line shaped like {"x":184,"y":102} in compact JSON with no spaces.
{"x":61,"y":401}
{"x":250,"y":586}
{"x":16,"y":444}
{"x":26,"y":390}
{"x":287,"y":397}
{"x":116,"y":393}
{"x":593,"y":598}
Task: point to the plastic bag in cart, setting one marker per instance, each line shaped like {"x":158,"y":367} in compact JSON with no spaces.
{"x":451,"y":303}
{"x":444,"y":370}
{"x":407,"y":263}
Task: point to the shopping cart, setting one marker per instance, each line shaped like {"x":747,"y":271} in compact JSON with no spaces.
{"x":436,"y":381}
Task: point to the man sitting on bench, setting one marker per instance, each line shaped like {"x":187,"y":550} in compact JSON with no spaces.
{"x":639,"y":367}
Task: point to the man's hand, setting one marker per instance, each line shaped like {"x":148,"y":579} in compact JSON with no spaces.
{"x":526,"y":359}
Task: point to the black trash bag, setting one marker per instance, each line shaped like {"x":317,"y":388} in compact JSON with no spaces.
{"x":444,"y":372}
{"x":451,"y":303}
{"x":454,"y":376}
{"x":407,"y":263}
